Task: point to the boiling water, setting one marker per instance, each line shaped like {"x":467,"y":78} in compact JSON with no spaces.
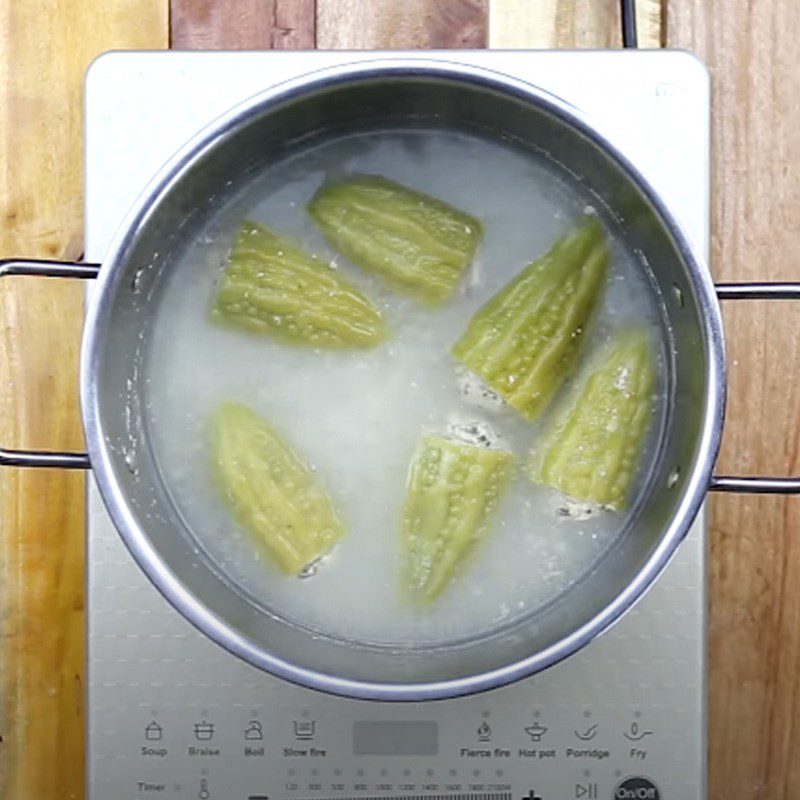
{"x":356,"y":416}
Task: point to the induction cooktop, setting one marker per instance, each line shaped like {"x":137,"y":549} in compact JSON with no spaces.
{"x":172,"y":715}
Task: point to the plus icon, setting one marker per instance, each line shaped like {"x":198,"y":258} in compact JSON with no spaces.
{"x":531,"y":796}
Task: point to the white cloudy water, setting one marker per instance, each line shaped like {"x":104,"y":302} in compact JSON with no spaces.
{"x":355,"y":416}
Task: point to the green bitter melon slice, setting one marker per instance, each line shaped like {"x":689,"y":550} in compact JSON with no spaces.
{"x":594,"y":447}
{"x":270,"y":491}
{"x":419,"y":244}
{"x":452,"y":490}
{"x":526,"y":339}
{"x":271,"y":286}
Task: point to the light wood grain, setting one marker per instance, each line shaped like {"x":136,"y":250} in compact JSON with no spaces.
{"x":45,"y":46}
{"x":242,"y":24}
{"x":554,"y":23}
{"x":569,"y":23}
{"x":754,"y":680}
{"x":430,"y":24}
{"x":651,"y":22}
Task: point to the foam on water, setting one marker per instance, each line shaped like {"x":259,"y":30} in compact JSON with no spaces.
{"x":356,"y":416}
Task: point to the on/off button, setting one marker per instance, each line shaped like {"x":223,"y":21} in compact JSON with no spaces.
{"x":637,"y":788}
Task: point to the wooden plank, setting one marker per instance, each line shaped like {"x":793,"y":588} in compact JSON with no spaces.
{"x":554,"y":23}
{"x":242,"y":24}
{"x":45,"y":46}
{"x":569,"y":23}
{"x":343,"y":24}
{"x":754,"y":724}
{"x":650,"y":22}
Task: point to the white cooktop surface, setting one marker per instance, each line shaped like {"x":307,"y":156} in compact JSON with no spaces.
{"x":172,"y":715}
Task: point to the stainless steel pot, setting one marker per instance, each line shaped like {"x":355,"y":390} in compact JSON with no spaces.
{"x":379,"y":94}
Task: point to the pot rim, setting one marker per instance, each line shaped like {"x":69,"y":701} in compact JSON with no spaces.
{"x":99,"y":318}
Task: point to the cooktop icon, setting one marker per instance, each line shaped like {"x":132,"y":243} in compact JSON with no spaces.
{"x":204,"y":731}
{"x":304,"y":729}
{"x":536,"y":731}
{"x":588,"y":734}
{"x":484,"y":732}
{"x":635,"y":733}
{"x":254,"y":732}
{"x":154,"y":732}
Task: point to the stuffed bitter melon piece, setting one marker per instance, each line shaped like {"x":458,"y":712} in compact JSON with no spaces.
{"x":594,"y":447}
{"x":271,"y":286}
{"x":419,"y":244}
{"x":526,"y":339}
{"x":271,"y":492}
{"x":452,"y":489}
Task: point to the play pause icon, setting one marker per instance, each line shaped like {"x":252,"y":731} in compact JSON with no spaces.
{"x":586,"y":790}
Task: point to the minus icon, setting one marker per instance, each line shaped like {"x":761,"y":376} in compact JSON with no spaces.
{"x":258,"y":797}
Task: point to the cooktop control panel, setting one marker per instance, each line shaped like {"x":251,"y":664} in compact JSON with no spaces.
{"x":466,"y":751}
{"x":171,"y":715}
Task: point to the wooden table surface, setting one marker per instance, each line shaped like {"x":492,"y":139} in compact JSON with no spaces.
{"x":751,"y":48}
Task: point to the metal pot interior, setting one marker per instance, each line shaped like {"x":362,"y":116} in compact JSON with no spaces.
{"x":118,"y":337}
